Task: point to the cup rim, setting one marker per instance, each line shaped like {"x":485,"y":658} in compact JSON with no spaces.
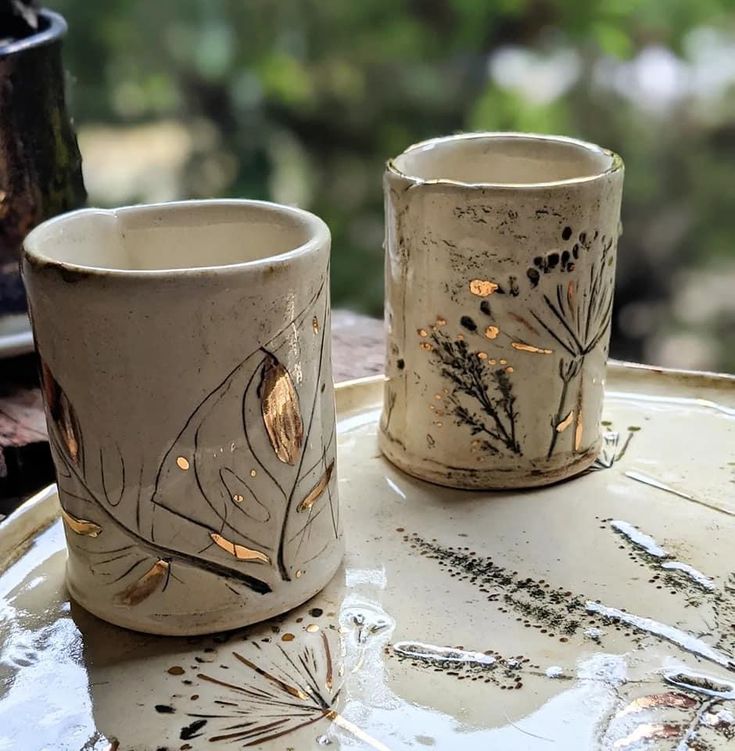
{"x":616,"y":162}
{"x":316,"y":229}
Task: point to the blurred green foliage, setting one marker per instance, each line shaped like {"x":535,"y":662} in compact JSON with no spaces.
{"x":307,"y":98}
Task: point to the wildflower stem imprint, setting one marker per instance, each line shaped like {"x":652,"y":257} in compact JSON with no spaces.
{"x":489,"y":389}
{"x":579,"y":319}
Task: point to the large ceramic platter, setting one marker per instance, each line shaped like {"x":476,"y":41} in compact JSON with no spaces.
{"x":594,"y":614}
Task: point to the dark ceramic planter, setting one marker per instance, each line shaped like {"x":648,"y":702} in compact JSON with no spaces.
{"x":40,"y":165}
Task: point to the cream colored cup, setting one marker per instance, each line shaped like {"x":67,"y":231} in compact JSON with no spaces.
{"x":185,"y":354}
{"x":500,"y":272}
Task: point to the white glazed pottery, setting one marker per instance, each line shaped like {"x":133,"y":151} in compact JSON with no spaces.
{"x":500,"y":270}
{"x":185,"y":355}
{"x":441,"y":632}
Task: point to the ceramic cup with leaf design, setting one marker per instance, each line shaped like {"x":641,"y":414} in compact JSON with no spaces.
{"x":500,"y":272}
{"x":185,"y":356}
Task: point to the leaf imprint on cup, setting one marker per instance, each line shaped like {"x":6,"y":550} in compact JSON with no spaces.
{"x":482,"y":287}
{"x":80,"y":526}
{"x":62,"y":414}
{"x":241,"y":552}
{"x":144,"y":587}
{"x":313,"y":495}
{"x":279,"y":404}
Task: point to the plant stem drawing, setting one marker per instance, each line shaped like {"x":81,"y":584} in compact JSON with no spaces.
{"x":577,"y":320}
{"x":276,"y":691}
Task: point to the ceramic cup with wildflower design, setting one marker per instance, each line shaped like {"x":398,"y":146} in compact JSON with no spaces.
{"x":500,"y":270}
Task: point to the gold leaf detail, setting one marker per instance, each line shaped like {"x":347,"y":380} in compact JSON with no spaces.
{"x":182,"y":463}
{"x":315,"y":324}
{"x":578,"y":433}
{"x":425,"y":346}
{"x":146,"y":585}
{"x":240,"y":552}
{"x":279,"y":405}
{"x":565,"y":423}
{"x":482,"y":287}
{"x":61,"y":413}
{"x":491,"y":332}
{"x":530,"y":348}
{"x":80,"y":526}
{"x":313,"y":495}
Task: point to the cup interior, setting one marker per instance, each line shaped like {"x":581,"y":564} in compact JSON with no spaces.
{"x":184,"y":235}
{"x":503,"y":159}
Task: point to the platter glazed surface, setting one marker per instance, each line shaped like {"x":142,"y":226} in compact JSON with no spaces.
{"x":598,"y":613}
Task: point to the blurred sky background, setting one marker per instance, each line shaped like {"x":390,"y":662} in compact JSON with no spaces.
{"x":301,"y":101}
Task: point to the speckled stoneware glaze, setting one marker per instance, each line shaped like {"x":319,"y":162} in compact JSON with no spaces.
{"x":185,"y":357}
{"x":597,"y":615}
{"x":500,"y":271}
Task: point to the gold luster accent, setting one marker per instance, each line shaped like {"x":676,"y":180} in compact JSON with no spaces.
{"x":288,"y":637}
{"x":299,"y":574}
{"x":315,"y":324}
{"x":253,"y":473}
{"x":503,"y":362}
{"x":80,"y":526}
{"x":482,"y":355}
{"x":509,"y":369}
{"x":460,"y":337}
{"x":279,"y":404}
{"x":146,"y":585}
{"x":238,"y":498}
{"x":578,"y":433}
{"x":491,"y":332}
{"x":482,"y":287}
{"x":441,"y":321}
{"x":329,"y":681}
{"x":312,"y":628}
{"x":423,"y":332}
{"x":438,"y":396}
{"x":425,"y":346}
{"x":313,"y":495}
{"x":61,"y":413}
{"x":565,"y":423}
{"x":182,"y":463}
{"x":492,"y":362}
{"x":530,"y":348}
{"x":240,"y":552}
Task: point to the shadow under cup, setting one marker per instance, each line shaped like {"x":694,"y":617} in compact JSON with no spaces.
{"x":185,"y":356}
{"x":500,"y":273}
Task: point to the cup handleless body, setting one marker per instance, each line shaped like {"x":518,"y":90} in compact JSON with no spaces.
{"x":500,"y":269}
{"x":190,"y":409}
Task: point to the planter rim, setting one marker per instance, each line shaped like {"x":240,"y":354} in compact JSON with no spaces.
{"x":54,"y":28}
